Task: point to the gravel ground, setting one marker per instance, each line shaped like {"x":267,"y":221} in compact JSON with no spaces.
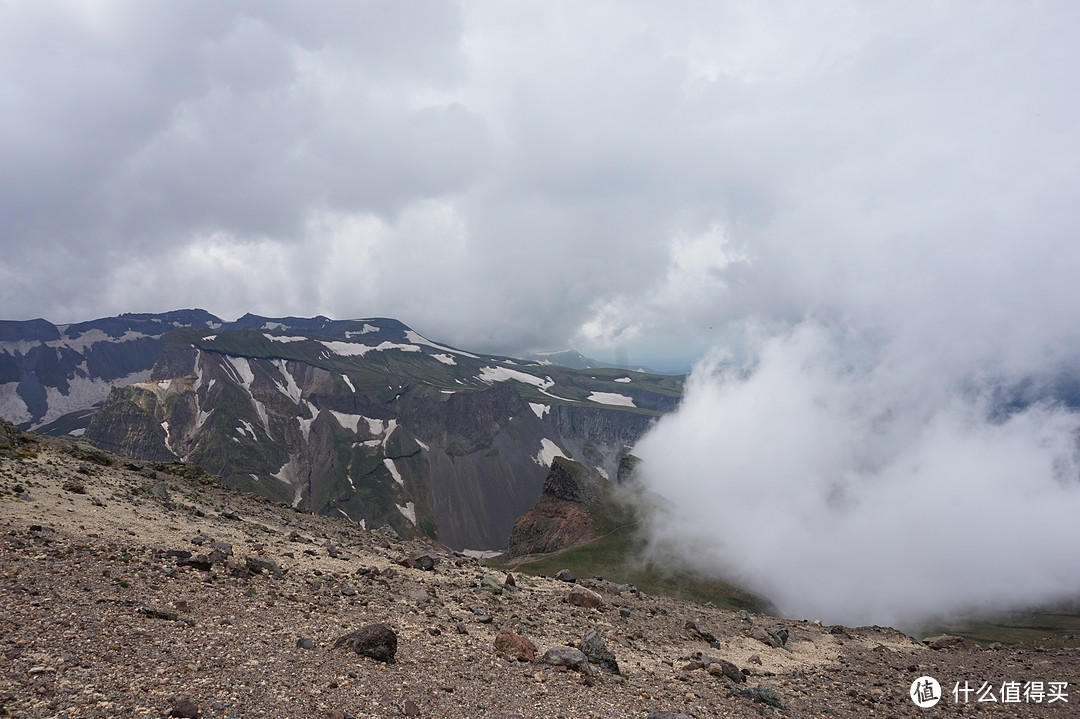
{"x":98,"y":620}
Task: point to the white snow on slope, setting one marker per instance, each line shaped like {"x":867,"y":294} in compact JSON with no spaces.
{"x":290,"y":475}
{"x":305,"y":424}
{"x":244,"y":375}
{"x":409,"y":511}
{"x":348,"y":421}
{"x":548,"y":452}
{"x":423,"y":446}
{"x":613,"y":398}
{"x":421,"y":340}
{"x":445,"y":359}
{"x":353,"y":349}
{"x":539,"y":409}
{"x":284,"y":338}
{"x":291,"y":389}
{"x":363,"y":331}
{"x":622,"y":379}
{"x":12,"y":406}
{"x":77,"y":432}
{"x":349,"y":382}
{"x":391,"y":425}
{"x":502,"y":374}
{"x":389,"y":463}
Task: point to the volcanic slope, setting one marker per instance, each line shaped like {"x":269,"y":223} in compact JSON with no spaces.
{"x":128,"y":590}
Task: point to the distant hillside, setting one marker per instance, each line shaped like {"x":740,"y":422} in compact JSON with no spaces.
{"x":364,"y":418}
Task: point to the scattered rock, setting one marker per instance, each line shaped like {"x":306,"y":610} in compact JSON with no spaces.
{"x":425,"y":562}
{"x":724,"y":668}
{"x":581,"y":597}
{"x":566,"y":657}
{"x":377,"y":641}
{"x":565,"y":575}
{"x":492,"y":584}
{"x":515,"y":645}
{"x":258,"y":565}
{"x":184,"y":708}
{"x":595,"y":650}
{"x":74,"y":486}
{"x":510,"y":581}
{"x":410,"y":709}
{"x":667,"y":715}
{"x":945,"y":641}
{"x":200,"y":562}
{"x":762,"y":695}
{"x":305,"y":643}
{"x":230,"y":514}
{"x":695,"y":630}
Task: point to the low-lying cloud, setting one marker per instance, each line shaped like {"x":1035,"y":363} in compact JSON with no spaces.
{"x":852,"y":481}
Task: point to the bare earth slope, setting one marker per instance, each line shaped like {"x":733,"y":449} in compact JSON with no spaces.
{"x":98,"y":621}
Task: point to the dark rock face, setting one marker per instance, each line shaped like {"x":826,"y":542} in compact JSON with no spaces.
{"x":595,"y":649}
{"x":376,"y":641}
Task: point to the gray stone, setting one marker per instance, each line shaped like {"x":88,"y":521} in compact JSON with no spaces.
{"x":595,"y":650}
{"x":492,"y":584}
{"x":763,"y":695}
{"x":567,"y":657}
{"x":565,"y":575}
{"x":258,"y":565}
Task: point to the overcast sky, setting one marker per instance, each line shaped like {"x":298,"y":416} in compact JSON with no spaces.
{"x":636,"y":180}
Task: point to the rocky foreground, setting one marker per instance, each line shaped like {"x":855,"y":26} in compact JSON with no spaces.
{"x":149,"y":590}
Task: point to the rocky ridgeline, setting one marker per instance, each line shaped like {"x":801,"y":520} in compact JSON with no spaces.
{"x":131,"y":589}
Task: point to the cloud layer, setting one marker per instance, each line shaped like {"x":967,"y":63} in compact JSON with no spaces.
{"x":624,"y":177}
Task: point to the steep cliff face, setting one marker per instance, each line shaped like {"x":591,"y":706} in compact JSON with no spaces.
{"x":565,"y":513}
{"x":368,"y":420}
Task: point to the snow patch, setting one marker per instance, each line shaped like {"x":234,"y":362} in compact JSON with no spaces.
{"x":622,"y":379}
{"x":244,"y":374}
{"x":423,"y":446}
{"x":77,"y":432}
{"x":291,"y":389}
{"x":363,"y":331}
{"x":391,"y":425}
{"x":481,"y":553}
{"x":349,"y":382}
{"x":290,"y":475}
{"x":502,"y":374}
{"x":12,"y":406}
{"x":348,"y":421}
{"x":548,"y":452}
{"x":539,"y":409}
{"x":602,"y":472}
{"x":284,"y":338}
{"x":164,"y":384}
{"x":272,"y":326}
{"x":445,"y":359}
{"x":353,"y":349}
{"x":613,"y":398}
{"x":408,"y":511}
{"x":305,"y":424}
{"x":389,"y":463}
{"x":209,"y":338}
{"x":247,"y":430}
{"x":418,"y":339}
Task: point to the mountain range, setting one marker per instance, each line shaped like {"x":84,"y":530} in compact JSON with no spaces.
{"x":364,"y":419}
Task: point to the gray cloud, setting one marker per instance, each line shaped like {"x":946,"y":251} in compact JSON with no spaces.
{"x":623,"y":177}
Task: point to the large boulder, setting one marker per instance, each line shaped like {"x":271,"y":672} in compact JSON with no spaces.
{"x":579,"y":596}
{"x":377,"y":641}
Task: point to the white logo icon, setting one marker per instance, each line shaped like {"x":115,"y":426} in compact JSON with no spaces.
{"x":925,"y":692}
